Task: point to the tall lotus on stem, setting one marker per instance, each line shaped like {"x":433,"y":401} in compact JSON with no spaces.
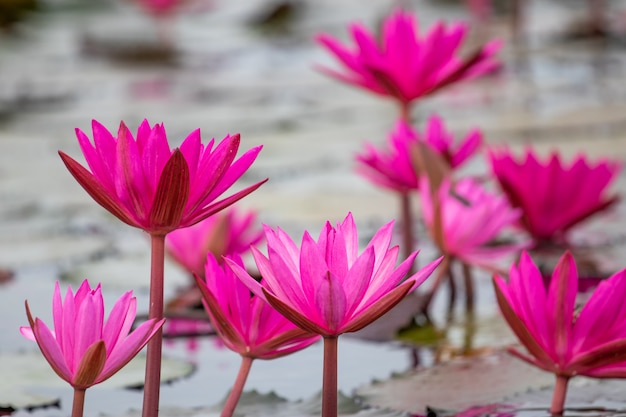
{"x":83,"y":348}
{"x":393,"y":168}
{"x":559,"y":337}
{"x":326,"y":287}
{"x":246,"y":323}
{"x":402,"y":65}
{"x":464,"y":220}
{"x":147,"y":185}
{"x":553,"y":196}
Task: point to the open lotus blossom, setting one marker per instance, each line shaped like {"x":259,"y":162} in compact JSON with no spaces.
{"x":147,"y":185}
{"x":83,"y":348}
{"x":558,"y":336}
{"x":227,"y":232}
{"x":468,"y":222}
{"x":404,"y":66}
{"x":326,"y":287}
{"x":393,"y":168}
{"x":553,"y":196}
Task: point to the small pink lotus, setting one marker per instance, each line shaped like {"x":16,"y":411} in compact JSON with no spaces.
{"x":227,"y":232}
{"x":147,"y":185}
{"x":558,"y":337}
{"x":247,"y":324}
{"x":553,"y":196}
{"x":404,"y":66}
{"x":83,"y":348}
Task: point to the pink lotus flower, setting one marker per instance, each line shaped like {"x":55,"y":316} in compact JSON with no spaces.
{"x":404,"y":66}
{"x":147,"y":185}
{"x":227,"y":232}
{"x":394,"y":168}
{"x":83,"y":349}
{"x":553,"y":197}
{"x":246,"y":323}
{"x":468,"y":221}
{"x":559,"y":339}
{"x":326,"y":287}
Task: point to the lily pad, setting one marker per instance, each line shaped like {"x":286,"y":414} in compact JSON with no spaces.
{"x":30,"y":371}
{"x":458,"y":384}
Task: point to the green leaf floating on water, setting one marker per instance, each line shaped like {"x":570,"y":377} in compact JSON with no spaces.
{"x":29,"y":371}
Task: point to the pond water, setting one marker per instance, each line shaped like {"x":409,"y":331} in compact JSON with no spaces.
{"x":71,"y":63}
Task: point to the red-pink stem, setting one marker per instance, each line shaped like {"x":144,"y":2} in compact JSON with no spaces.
{"x":558,"y":398}
{"x":78,"y":405}
{"x":152,"y":385}
{"x":408,"y":239}
{"x":329,"y":383}
{"x":240,"y":382}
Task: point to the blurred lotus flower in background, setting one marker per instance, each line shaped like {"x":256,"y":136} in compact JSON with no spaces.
{"x":147,"y":185}
{"x":246,"y":323}
{"x":471,"y":218}
{"x":404,"y":66}
{"x":558,"y":338}
{"x":326,"y":287}
{"x":553,"y":196}
{"x":226,"y":233}
{"x":465,"y":220}
{"x":393,"y":168}
{"x":83,"y":348}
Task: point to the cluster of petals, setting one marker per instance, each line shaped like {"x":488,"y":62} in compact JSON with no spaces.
{"x":559,"y":339}
{"x":83,"y":348}
{"x":464,"y":220}
{"x":146,"y":184}
{"x":326,"y":286}
{"x":394,"y":167}
{"x":553,"y":196}
{"x":401,"y":64}
{"x":246,"y":323}
{"x":226,"y":232}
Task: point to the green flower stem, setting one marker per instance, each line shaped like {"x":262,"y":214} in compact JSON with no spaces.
{"x":240,"y":382}
{"x":152,"y":385}
{"x":78,"y":405}
{"x":443,"y":271}
{"x":558,"y":398}
{"x":329,"y":384}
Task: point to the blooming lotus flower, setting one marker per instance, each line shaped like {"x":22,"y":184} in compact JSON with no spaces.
{"x":246,"y":323}
{"x":553,"y":196}
{"x":326,"y":287}
{"x":83,"y":349}
{"x":591,"y":342}
{"x":468,"y":221}
{"x":227,"y":232}
{"x":394,"y":168}
{"x":401,"y":64}
{"x":147,"y":185}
